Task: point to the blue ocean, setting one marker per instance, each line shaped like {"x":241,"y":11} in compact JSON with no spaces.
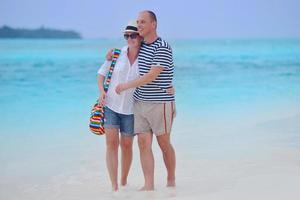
{"x":47,"y":89}
{"x":51,"y":84}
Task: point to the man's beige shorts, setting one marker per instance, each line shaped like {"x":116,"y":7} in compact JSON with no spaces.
{"x":156,"y":118}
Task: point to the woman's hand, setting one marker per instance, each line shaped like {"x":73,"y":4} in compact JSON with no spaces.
{"x":109,"y":55}
{"x":101,"y":101}
{"x":171,"y":90}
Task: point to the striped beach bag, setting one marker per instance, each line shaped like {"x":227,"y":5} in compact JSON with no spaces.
{"x":97,"y":114}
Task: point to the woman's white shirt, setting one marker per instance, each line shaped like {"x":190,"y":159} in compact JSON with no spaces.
{"x":123,"y":72}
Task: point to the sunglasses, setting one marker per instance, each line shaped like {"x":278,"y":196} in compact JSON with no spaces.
{"x":132,"y":36}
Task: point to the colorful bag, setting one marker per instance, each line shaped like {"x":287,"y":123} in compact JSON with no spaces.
{"x":97,"y":114}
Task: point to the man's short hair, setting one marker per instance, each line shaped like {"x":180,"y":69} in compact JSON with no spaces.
{"x":152,"y":15}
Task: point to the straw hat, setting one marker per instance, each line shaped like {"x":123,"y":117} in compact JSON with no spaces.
{"x":131,"y":27}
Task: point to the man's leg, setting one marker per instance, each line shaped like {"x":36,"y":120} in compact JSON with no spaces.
{"x":147,"y":159}
{"x":126,"y":160}
{"x":112,"y":145}
{"x":169,"y":157}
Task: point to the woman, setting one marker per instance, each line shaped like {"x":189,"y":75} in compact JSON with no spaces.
{"x":119,"y":108}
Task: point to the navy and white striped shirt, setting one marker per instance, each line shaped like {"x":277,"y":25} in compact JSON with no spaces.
{"x":158,"y":53}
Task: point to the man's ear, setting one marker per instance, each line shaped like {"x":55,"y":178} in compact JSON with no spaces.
{"x":154,"y":24}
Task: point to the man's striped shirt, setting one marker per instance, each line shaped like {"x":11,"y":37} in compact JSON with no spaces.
{"x":158,"y":53}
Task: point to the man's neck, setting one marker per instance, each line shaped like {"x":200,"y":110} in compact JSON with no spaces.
{"x":151,"y":38}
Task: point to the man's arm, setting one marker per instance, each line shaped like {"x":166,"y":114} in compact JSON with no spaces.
{"x":146,"y":78}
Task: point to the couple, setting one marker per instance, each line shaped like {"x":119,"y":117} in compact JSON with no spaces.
{"x":140,"y":101}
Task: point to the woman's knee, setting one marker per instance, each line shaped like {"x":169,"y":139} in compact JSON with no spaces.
{"x":126,"y":144}
{"x":112,"y":144}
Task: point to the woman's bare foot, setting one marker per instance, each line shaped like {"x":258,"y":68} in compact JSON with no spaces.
{"x":147,"y":188}
{"x":115,"y":188}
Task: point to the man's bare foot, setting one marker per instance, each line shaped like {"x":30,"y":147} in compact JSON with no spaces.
{"x":147,"y":188}
{"x":171,"y":183}
{"x":123,"y":182}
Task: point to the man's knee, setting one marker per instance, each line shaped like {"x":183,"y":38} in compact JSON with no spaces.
{"x":144,"y":142}
{"x":164,"y":143}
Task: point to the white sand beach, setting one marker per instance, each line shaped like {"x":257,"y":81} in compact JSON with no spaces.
{"x":220,"y":165}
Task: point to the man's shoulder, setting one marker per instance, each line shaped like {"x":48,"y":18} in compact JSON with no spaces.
{"x":159,"y":42}
{"x":160,"y":45}
{"x":163,"y":44}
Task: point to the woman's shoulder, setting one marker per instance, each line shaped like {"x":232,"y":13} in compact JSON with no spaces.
{"x":123,"y":54}
{"x":124,"y":50}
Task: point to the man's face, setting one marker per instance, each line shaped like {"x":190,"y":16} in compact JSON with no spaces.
{"x":145,"y":24}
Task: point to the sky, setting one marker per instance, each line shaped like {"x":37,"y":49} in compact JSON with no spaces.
{"x":185,"y":19}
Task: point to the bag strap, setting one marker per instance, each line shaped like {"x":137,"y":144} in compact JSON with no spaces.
{"x":116,"y":54}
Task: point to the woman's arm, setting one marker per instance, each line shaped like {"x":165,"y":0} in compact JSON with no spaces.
{"x":100,"y":80}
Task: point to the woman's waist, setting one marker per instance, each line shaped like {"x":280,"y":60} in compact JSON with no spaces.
{"x":126,"y":95}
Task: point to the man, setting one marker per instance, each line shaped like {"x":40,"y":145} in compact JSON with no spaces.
{"x":154,"y":106}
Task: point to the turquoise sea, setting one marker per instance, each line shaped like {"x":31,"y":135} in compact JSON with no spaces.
{"x":50,"y":84}
{"x":47,"y":88}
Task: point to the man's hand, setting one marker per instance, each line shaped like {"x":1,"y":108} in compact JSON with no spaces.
{"x":120,"y":88}
{"x":109,"y":55}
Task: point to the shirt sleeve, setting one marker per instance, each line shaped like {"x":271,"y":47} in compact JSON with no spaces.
{"x":163,"y":57}
{"x":104,"y":68}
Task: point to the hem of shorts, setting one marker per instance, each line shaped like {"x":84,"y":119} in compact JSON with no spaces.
{"x":142,"y":132}
{"x":159,"y":133}
{"x":112,"y":126}
{"x":128,"y":134}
